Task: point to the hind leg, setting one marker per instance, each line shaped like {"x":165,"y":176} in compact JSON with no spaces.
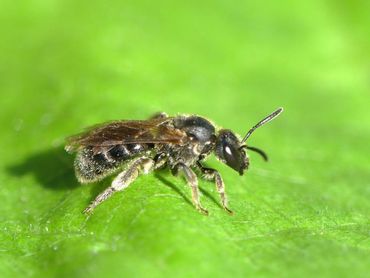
{"x":123,"y":180}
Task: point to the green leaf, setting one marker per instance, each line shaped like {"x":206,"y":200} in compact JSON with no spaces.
{"x":65,"y":65}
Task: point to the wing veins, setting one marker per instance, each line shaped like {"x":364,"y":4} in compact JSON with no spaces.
{"x":126,"y":132}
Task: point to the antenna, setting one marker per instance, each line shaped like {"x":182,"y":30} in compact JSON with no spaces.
{"x":269,"y":118}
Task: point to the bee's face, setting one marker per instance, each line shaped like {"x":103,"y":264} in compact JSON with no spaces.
{"x":230,"y":151}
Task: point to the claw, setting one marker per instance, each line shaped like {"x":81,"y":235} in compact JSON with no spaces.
{"x":203,"y":211}
{"x":229,"y":211}
{"x":88,"y":210}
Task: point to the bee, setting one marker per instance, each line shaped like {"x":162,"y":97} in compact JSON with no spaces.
{"x":180,"y":143}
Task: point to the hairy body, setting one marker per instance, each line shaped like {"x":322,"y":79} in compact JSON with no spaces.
{"x":180,"y":143}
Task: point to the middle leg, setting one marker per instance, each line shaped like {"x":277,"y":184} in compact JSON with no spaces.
{"x":212,"y":174}
{"x":192,"y":180}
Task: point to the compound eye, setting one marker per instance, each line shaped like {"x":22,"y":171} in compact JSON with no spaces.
{"x":232,"y":156}
{"x":229,"y":151}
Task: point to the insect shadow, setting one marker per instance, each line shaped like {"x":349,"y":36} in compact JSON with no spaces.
{"x":52,"y":168}
{"x":160,"y":176}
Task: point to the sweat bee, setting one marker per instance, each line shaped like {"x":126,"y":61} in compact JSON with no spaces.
{"x":180,"y":143}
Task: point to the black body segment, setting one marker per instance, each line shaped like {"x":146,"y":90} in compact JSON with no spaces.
{"x":201,"y":136}
{"x":195,"y":127}
{"x":93,"y":164}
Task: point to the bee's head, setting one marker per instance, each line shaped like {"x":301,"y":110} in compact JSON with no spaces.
{"x":232,"y":151}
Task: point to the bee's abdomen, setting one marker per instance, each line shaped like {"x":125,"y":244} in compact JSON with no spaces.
{"x":92,"y":165}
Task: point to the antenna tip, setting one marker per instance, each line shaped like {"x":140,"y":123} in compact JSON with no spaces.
{"x":269,"y":118}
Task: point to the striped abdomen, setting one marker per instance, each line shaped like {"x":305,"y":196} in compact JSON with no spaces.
{"x":92,"y":165}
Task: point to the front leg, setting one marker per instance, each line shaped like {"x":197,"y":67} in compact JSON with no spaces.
{"x":123,"y":180}
{"x":212,"y":174}
{"x":192,"y":180}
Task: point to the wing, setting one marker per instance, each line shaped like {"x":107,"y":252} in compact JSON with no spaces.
{"x":127,"y":132}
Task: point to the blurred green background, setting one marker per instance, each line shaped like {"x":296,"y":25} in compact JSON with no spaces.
{"x":65,"y":65}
